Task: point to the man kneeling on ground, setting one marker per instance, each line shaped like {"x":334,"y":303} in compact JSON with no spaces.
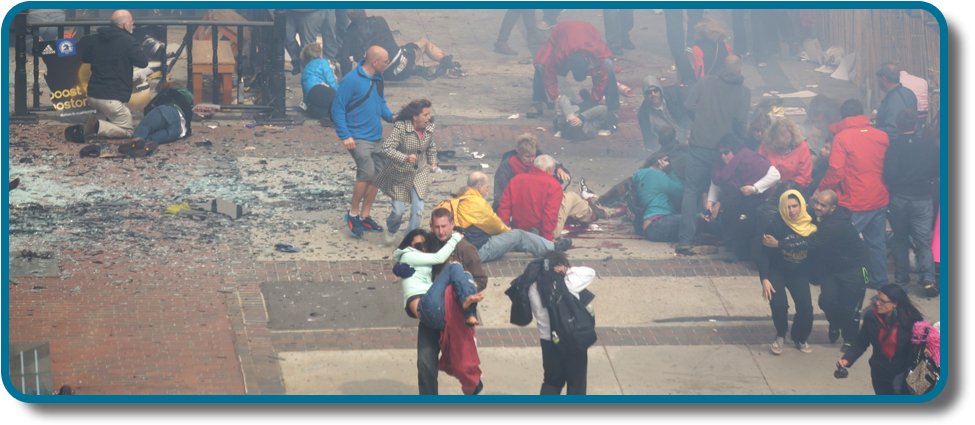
{"x":485,"y":230}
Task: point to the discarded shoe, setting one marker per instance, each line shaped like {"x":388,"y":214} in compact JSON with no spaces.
{"x":136,"y":143}
{"x":504,"y":49}
{"x":74,"y":134}
{"x":563,"y":244}
{"x":91,"y":151}
{"x":286,"y":247}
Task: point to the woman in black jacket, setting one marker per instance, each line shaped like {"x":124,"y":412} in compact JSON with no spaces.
{"x":888,"y":328}
{"x":780,"y":270}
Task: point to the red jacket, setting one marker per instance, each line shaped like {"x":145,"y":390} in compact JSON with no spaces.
{"x":856,"y":164}
{"x":458,"y":350}
{"x":532,"y":200}
{"x":795,"y":165}
{"x":567,"y":38}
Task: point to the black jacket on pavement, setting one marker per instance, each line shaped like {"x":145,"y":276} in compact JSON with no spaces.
{"x":112,"y":54}
{"x":362,"y":34}
{"x":835,"y":246}
{"x":912,"y":166}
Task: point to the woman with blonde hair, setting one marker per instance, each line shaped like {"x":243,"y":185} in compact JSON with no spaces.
{"x":710,"y":49}
{"x":783,"y":146}
{"x":410,"y":153}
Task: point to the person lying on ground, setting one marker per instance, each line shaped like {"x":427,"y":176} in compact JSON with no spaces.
{"x":167,"y":118}
{"x":519,"y":161}
{"x":485,"y":230}
{"x":582,"y":121}
{"x":365,"y":32}
{"x":429,"y":306}
{"x":318,"y":83}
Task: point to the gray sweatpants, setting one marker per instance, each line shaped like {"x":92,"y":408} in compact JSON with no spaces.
{"x":592,"y":119}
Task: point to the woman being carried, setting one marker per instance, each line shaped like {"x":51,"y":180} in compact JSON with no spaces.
{"x":423,"y":296}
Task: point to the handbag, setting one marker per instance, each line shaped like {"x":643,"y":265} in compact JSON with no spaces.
{"x":922,"y":378}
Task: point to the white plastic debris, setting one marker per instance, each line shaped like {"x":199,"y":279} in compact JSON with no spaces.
{"x":513,"y":116}
{"x":559,"y":135}
{"x":483,"y":165}
{"x":540,"y":128}
{"x":604,"y":132}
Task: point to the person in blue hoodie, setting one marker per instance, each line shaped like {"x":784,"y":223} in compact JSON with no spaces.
{"x":317,"y":82}
{"x":357,"y":111}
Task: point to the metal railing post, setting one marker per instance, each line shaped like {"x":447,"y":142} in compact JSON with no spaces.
{"x":21,"y":114}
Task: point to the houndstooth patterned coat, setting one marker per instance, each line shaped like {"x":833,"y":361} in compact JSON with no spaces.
{"x":399,"y":176}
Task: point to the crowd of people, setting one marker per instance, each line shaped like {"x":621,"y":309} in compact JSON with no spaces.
{"x":719,"y":173}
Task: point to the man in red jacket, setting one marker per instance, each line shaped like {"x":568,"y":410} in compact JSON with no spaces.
{"x":575,"y":47}
{"x":533,"y":200}
{"x":856,"y":173}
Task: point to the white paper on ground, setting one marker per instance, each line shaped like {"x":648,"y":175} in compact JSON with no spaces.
{"x":845,"y":70}
{"x":799,"y":94}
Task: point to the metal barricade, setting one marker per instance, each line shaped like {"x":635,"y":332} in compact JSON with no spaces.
{"x":267,"y":50}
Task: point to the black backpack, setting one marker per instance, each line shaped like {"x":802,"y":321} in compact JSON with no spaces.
{"x":573,"y":326}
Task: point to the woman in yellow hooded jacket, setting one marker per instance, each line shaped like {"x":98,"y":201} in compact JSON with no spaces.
{"x":780,"y":270}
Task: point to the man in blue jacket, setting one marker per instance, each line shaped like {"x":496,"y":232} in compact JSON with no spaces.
{"x":357,"y":109}
{"x":898,"y":98}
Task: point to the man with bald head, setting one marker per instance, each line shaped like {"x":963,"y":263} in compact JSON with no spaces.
{"x":719,"y":105}
{"x":839,"y":264}
{"x":485,"y":230}
{"x":358,"y":110}
{"x":112,"y":54}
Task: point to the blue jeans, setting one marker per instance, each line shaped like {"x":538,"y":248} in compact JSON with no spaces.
{"x":329,"y":30}
{"x":160,"y":125}
{"x":872,"y":225}
{"x":395,"y":218}
{"x":431,"y":307}
{"x":663,"y":229}
{"x":612,"y":93}
{"x":912,"y":218}
{"x":697,"y":181}
{"x":514,"y":240}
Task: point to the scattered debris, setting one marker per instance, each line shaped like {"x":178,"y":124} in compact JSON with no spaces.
{"x":513,"y":116}
{"x":286,"y":247}
{"x":228,"y":208}
{"x":14,"y":184}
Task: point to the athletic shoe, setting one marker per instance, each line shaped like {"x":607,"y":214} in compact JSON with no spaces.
{"x":777,"y":345}
{"x":389,"y":237}
{"x":136,"y":143}
{"x":147,"y":149}
{"x":804,"y":347}
{"x":535,"y":110}
{"x":930,"y":288}
{"x":563,"y":244}
{"x":834,"y":335}
{"x":90,"y":125}
{"x":628,"y":45}
{"x":584,"y":188}
{"x":616,"y":51}
{"x":544,"y":26}
{"x":355,"y":227}
{"x":369,"y":225}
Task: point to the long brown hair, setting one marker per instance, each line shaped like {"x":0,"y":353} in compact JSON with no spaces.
{"x":413,"y":109}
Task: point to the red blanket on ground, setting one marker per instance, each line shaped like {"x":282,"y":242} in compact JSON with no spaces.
{"x":458,"y":352}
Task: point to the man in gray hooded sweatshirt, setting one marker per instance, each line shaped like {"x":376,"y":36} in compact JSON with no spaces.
{"x":662,"y":106}
{"x":720,"y":105}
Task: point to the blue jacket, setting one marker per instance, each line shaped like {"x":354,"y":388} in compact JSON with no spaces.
{"x":362,"y":122}
{"x":897,"y":100}
{"x":654,"y":189}
{"x":315,"y":73}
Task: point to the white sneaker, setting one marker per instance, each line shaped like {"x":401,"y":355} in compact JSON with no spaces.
{"x":389,"y":237}
{"x":777,"y":345}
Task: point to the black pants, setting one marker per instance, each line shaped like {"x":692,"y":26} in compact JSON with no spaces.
{"x":887,"y":380}
{"x":678,"y":39}
{"x":561,"y":369}
{"x":427,"y":357}
{"x":796,"y":281}
{"x":841,"y":299}
{"x":511,"y":18}
{"x":738,"y":30}
{"x":319,"y":101}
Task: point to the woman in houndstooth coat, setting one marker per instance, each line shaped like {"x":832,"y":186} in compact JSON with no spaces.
{"x":410,"y":155}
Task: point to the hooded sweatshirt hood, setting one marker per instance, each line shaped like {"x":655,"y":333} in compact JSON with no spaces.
{"x":730,"y":77}
{"x":650,"y":81}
